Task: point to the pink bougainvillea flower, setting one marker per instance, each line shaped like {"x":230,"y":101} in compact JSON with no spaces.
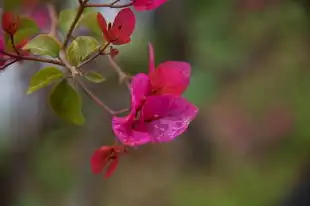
{"x":161,"y":119}
{"x":142,"y":5}
{"x":107,"y":156}
{"x":121,"y":30}
{"x":158,"y":112}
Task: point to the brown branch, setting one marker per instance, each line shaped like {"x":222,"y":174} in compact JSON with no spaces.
{"x":112,"y":5}
{"x":122,"y":76}
{"x":97,"y":100}
{"x":30,"y":58}
{"x":100,"y":51}
{"x":73,"y":25}
{"x":13,"y":44}
{"x":8,"y":64}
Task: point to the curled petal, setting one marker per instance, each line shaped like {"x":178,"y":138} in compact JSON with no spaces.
{"x":129,"y":131}
{"x":99,"y":159}
{"x":167,"y":116}
{"x":171,"y":77}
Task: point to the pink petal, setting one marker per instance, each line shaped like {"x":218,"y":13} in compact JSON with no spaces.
{"x":103,"y":26}
{"x":99,"y":159}
{"x":142,"y":5}
{"x":170,"y":77}
{"x":124,"y":25}
{"x":167,"y":116}
{"x":151,"y":58}
{"x":112,"y":167}
{"x":140,"y":88}
{"x":128,"y":132}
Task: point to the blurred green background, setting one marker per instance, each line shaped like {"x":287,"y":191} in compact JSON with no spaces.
{"x":249,"y":145}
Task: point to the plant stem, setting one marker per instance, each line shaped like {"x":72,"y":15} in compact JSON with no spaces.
{"x":122,"y":76}
{"x":37,"y":59}
{"x":13,"y":44}
{"x":75,"y":21}
{"x":112,"y":5}
{"x":89,"y":59}
{"x":8,"y":64}
{"x":97,"y":100}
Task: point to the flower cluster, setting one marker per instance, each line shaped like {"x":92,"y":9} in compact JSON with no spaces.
{"x":158,"y":113}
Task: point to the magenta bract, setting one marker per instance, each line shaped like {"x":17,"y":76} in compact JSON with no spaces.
{"x":158,"y":112}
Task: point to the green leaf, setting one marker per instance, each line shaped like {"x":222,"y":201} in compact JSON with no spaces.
{"x":66,"y":17}
{"x":67,"y":103}
{"x":80,"y":48}
{"x":89,"y":21}
{"x":94,"y":77}
{"x":44,"y":78}
{"x":28,"y":28}
{"x":44,"y":44}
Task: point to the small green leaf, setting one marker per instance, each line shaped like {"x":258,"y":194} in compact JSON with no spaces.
{"x":94,"y":77}
{"x":67,"y":103}
{"x":44,"y":78}
{"x":80,"y":48}
{"x":44,"y":44}
{"x":89,"y":21}
{"x":27,"y":29}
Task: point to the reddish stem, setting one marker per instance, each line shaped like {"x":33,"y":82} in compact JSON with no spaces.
{"x":37,"y":59}
{"x":111,"y":5}
{"x":13,"y":43}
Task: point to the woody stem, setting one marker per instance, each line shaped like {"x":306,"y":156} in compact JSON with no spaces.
{"x":91,"y":58}
{"x":75,"y":21}
{"x":37,"y":59}
{"x":97,"y":100}
{"x":112,"y":5}
{"x":122,"y":76}
{"x":13,"y":44}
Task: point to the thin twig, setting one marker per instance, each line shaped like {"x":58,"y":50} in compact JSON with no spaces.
{"x":121,"y":75}
{"x":54,"y":20}
{"x":112,"y":5}
{"x":121,"y":111}
{"x":13,"y":44}
{"x":73,"y":25}
{"x":94,"y":97}
{"x":8,"y":64}
{"x":89,"y":59}
{"x":30,"y":58}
